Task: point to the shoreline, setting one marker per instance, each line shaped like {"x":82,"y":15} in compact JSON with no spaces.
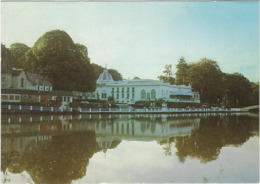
{"x":139,"y":111}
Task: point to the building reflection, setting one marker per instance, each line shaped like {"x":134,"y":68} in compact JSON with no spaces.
{"x":57,"y":149}
{"x":27,"y":132}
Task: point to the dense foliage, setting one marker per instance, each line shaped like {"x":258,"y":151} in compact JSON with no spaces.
{"x":182,"y":72}
{"x":18,"y":51}
{"x":205,"y":77}
{"x":58,"y":59}
{"x":215,"y":87}
{"x":65,"y":64}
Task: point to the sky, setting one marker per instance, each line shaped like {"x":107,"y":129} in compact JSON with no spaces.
{"x":140,"y":38}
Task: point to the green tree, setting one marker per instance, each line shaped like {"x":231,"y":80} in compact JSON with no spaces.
{"x":18,"y":51}
{"x":254,"y":97}
{"x":6,"y":59}
{"x":136,"y":77}
{"x":63,"y":63}
{"x":115,"y":74}
{"x":167,"y":77}
{"x":237,"y":90}
{"x":205,"y":77}
{"x":182,"y":72}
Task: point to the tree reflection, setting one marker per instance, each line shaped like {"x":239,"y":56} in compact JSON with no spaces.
{"x":167,"y":145}
{"x":63,"y":159}
{"x":206,"y":142}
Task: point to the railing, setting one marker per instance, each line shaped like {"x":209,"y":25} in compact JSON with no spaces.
{"x":117,"y":110}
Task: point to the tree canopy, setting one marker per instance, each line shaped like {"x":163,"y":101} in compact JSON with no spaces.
{"x":65,"y":64}
{"x":237,"y":90}
{"x":167,"y":77}
{"x":182,"y":72}
{"x":18,"y":51}
{"x":6,"y":59}
{"x":205,"y":77}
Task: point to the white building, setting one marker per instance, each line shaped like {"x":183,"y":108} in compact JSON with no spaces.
{"x":130,"y":91}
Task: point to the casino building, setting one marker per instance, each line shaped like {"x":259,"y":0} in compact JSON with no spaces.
{"x":130,"y":91}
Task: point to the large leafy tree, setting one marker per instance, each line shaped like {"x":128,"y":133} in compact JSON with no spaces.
{"x":182,"y":72}
{"x":65,"y":64}
{"x":237,"y":90}
{"x":18,"y":51}
{"x":167,"y":77}
{"x":205,"y":77}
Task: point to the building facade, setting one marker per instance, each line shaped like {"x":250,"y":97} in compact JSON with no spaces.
{"x":131,"y":91}
{"x":19,"y":79}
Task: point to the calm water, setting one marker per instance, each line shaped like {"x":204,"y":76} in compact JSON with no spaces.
{"x":187,"y":148}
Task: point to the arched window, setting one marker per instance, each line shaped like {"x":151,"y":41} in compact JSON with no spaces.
{"x":143,"y":94}
{"x":153,"y":94}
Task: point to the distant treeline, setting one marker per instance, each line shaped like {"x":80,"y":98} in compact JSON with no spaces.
{"x":67,"y":66}
{"x":214,"y":86}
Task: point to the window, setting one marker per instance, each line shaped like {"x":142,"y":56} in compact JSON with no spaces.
{"x":133,"y":89}
{"x":4,"y":97}
{"x":148,"y":95}
{"x":127,"y":95}
{"x":22,"y":80}
{"x":104,"y":95}
{"x":117,"y":96}
{"x":127,"y":89}
{"x":11,"y":97}
{"x":123,"y":96}
{"x":133,"y":96}
{"x":143,"y":94}
{"x":123,"y":90}
{"x":153,"y":94}
{"x":17,"y":97}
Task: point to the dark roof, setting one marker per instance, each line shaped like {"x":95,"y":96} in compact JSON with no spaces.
{"x":32,"y":77}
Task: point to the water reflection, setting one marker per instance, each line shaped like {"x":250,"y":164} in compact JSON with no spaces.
{"x":57,"y":149}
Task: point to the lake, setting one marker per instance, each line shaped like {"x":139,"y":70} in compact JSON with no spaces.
{"x":199,"y":148}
